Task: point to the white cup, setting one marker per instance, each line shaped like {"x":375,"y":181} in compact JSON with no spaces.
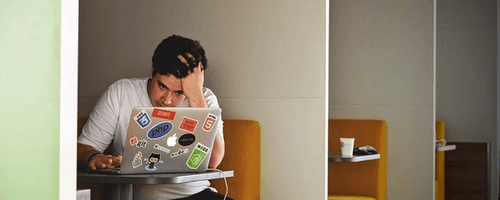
{"x":346,"y":146}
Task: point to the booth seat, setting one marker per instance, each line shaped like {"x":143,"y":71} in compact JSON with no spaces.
{"x":360,"y":180}
{"x":242,"y":139}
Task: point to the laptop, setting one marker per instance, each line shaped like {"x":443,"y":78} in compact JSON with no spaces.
{"x":168,"y":140}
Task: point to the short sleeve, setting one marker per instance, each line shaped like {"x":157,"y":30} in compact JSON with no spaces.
{"x":99,"y":130}
{"x":213,"y":103}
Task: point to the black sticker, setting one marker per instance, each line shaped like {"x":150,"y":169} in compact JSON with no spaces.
{"x":186,"y":139}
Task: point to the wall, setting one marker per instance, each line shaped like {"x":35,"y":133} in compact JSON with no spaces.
{"x":267,"y":63}
{"x":29,"y":88}
{"x":466,"y":74}
{"x":381,"y":67}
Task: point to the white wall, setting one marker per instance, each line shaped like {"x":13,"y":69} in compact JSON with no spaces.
{"x":381,"y":67}
{"x":466,"y":74}
{"x":267,"y":63}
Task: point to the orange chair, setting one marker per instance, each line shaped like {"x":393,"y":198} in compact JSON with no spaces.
{"x":360,"y":180}
{"x":242,"y":138}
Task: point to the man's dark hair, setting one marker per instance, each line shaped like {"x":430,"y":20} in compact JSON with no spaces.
{"x":165,"y":60}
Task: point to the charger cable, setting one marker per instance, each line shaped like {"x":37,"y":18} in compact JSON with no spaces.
{"x":225,"y":181}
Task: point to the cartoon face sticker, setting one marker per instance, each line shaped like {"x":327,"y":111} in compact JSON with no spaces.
{"x":152,"y":160}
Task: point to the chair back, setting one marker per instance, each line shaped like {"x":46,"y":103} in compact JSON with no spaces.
{"x":242,"y":143}
{"x":366,"y":178}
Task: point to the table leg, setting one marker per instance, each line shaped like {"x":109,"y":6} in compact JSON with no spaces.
{"x":121,"y":191}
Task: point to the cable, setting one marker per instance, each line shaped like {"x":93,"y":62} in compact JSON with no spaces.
{"x":225,"y":181}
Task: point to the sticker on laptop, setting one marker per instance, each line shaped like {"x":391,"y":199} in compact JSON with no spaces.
{"x":142,"y":143}
{"x":137,"y":162}
{"x":157,"y":146}
{"x":164,"y":114}
{"x":133,"y":141}
{"x":197,"y":156}
{"x":172,"y":140}
{"x":186,"y":139}
{"x":209,"y":122}
{"x":188,"y":124}
{"x":152,"y":160}
{"x":160,"y":130}
{"x":179,"y":152}
{"x":142,"y":119}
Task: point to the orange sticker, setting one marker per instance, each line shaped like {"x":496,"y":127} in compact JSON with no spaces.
{"x":164,"y":114}
{"x":188,"y":124}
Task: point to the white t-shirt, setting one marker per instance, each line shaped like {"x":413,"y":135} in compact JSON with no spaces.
{"x":108,"y":125}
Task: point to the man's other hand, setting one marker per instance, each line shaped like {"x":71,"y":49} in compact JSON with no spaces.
{"x":192,"y":85}
{"x":101,"y":161}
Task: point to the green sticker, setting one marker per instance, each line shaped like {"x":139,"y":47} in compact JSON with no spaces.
{"x":197,"y":156}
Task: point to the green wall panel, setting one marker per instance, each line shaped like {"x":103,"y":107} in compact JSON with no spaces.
{"x":29,"y":99}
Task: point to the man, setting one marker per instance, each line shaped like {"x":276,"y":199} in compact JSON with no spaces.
{"x":176,"y":80}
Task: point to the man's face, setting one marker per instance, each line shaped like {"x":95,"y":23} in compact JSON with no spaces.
{"x":165,"y":91}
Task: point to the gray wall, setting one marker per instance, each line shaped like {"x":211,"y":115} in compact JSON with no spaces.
{"x":381,"y":67}
{"x":466,"y":74}
{"x":268,"y":63}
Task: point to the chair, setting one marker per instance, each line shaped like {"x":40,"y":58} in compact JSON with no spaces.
{"x":242,"y":138}
{"x":360,"y":180}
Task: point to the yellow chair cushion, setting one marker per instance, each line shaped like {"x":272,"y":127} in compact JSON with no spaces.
{"x":350,"y":198}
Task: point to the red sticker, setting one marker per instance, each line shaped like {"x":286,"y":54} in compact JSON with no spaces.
{"x":133,"y":141}
{"x":164,"y":114}
{"x":188,"y":124}
{"x":209,"y":122}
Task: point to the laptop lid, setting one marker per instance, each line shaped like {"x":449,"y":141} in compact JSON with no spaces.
{"x":169,"y":139}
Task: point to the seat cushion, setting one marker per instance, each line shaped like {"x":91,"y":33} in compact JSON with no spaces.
{"x":350,"y":198}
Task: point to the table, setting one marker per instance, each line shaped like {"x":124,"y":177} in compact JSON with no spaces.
{"x":446,"y":148}
{"x":122,"y":185}
{"x":338,"y":157}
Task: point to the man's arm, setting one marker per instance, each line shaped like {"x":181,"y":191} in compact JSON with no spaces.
{"x":218,"y":151}
{"x":98,"y":160}
{"x":193,"y":89}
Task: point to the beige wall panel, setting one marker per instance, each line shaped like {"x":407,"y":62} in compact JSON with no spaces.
{"x":460,"y":14}
{"x":466,"y":84}
{"x":266,"y":48}
{"x":292,"y":144}
{"x":381,"y":67}
{"x":383,"y":50}
{"x":409,"y":145}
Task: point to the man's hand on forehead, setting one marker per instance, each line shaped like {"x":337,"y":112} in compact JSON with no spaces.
{"x":183,"y":60}
{"x":192,"y":86}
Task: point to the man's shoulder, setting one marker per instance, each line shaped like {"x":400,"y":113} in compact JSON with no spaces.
{"x":207,"y":91}
{"x":129,"y":83}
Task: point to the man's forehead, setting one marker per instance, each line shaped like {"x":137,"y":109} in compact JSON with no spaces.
{"x":169,"y":80}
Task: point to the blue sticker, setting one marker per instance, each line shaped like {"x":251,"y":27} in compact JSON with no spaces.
{"x":160,"y":130}
{"x":142,"y":118}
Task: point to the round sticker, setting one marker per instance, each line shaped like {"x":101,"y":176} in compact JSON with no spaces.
{"x":186,"y":139}
{"x":160,"y":130}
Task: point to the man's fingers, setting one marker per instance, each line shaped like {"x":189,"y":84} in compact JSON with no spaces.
{"x":92,"y":165}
